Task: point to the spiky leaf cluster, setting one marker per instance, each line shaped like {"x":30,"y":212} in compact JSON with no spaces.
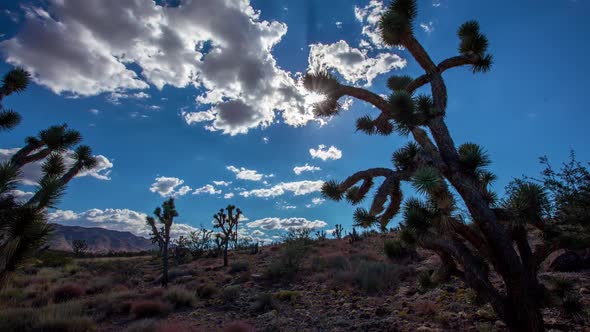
{"x":15,"y":81}
{"x":353,"y":195}
{"x":398,"y":83}
{"x":320,"y":81}
{"x":326,"y":108}
{"x":406,"y":113}
{"x":9,"y":119}
{"x":417,"y":215}
{"x":473,"y":157}
{"x":366,"y":125}
{"x":330,"y":190}
{"x":403,"y":158}
{"x":426,"y":180}
{"x":396,"y":23}
{"x":59,"y":138}
{"x":362,"y":218}
{"x":527,"y":201}
{"x":474,"y":43}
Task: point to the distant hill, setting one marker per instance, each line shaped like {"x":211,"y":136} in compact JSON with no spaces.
{"x":99,"y":240}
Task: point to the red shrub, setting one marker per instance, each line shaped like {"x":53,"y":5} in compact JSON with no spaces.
{"x":67,"y":292}
{"x":239,"y":326}
{"x":154,"y":292}
{"x":172,"y":327}
{"x":149,"y":308}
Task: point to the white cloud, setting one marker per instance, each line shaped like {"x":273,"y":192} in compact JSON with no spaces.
{"x":369,"y":17}
{"x":298,"y":188}
{"x":305,"y":168}
{"x":115,"y":97}
{"x":169,"y":187}
{"x":339,"y":25}
{"x":222,"y":183}
{"x":436,"y":3}
{"x":32,"y":172}
{"x":220,"y":46}
{"x":228,"y":195}
{"x":331,"y":153}
{"x":355,"y":65}
{"x":427,"y":27}
{"x":123,"y":220}
{"x":315,"y":202}
{"x":286,"y":224}
{"x":94,"y":111}
{"x":207,"y":189}
{"x":20,"y":195}
{"x":247,"y":174}
{"x":265,"y":140}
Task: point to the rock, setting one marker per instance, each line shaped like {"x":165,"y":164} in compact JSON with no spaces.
{"x":584,"y":291}
{"x":563,"y":260}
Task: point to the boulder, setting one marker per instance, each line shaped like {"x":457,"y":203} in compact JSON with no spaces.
{"x":563,"y":260}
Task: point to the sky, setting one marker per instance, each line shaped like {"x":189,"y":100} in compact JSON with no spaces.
{"x":201,"y":100}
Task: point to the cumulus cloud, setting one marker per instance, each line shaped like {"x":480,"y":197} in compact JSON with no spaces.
{"x":324,"y":153}
{"x":207,"y":189}
{"x":315,"y":202}
{"x":169,"y":187}
{"x":286,"y":224}
{"x":228,"y":195}
{"x":32,"y":172}
{"x":305,"y":168}
{"x":246,"y":174}
{"x":369,"y":17}
{"x":222,"y":47}
{"x":123,"y":220}
{"x":355,"y":65}
{"x":298,"y":188}
{"x":222,"y":183}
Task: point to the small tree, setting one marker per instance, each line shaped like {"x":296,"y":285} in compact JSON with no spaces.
{"x":161,"y":235}
{"x":79,"y":247}
{"x":227,"y":222}
{"x":23,"y":223}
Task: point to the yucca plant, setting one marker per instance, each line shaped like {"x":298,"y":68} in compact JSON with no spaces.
{"x":495,"y":234}
{"x":23,"y":223}
{"x":227,"y":221}
{"x":161,"y":235}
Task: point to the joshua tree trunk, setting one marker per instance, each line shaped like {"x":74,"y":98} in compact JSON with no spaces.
{"x":225,"y":252}
{"x":165,"y":265}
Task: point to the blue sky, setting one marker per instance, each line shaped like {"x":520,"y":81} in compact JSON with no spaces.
{"x":163,"y":111}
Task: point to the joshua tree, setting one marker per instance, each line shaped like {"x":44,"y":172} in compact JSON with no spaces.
{"x":79,"y":247}
{"x":23,"y":223}
{"x":227,"y":223}
{"x":161,"y":235}
{"x":338,"y":229}
{"x":433,"y":164}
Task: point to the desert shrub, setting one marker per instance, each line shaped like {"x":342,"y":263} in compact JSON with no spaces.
{"x":572,"y":304}
{"x":71,"y":269}
{"x":49,"y":258}
{"x":375,"y":277}
{"x":67,"y":292}
{"x":180,"y":297}
{"x":143,"y":325}
{"x":206,"y":291}
{"x":155,"y":292}
{"x":66,"y":324}
{"x":302,"y":235}
{"x":107,"y":305}
{"x":472,"y":298}
{"x":99,"y":285}
{"x":425,"y":281}
{"x":12,"y":295}
{"x":149,"y":308}
{"x":239,"y":267}
{"x":394,"y":249}
{"x":238,"y":326}
{"x":177,"y":273}
{"x":287,"y":295}
{"x":289,"y":262}
{"x":562,"y":286}
{"x":425,"y":308}
{"x":231,"y":293}
{"x":17,"y":320}
{"x":338,"y":263}
{"x":264,"y":302}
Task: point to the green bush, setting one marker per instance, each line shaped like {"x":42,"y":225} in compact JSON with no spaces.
{"x":373,"y":277}
{"x":264,"y":303}
{"x":239,"y":267}
{"x":180,"y":297}
{"x":394,"y":249}
{"x":206,"y":291}
{"x":572,"y":304}
{"x":287,"y":295}
{"x":231,"y":293}
{"x":425,"y":281}
{"x":50,"y":258}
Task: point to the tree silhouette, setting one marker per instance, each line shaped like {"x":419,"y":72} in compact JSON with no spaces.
{"x":23,"y":223}
{"x":227,"y":222}
{"x":79,"y":247}
{"x":161,"y":235}
{"x":433,"y":166}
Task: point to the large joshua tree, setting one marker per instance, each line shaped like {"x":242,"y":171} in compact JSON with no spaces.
{"x":161,"y":235}
{"x":23,"y":223}
{"x":227,"y":222}
{"x":496,"y":236}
